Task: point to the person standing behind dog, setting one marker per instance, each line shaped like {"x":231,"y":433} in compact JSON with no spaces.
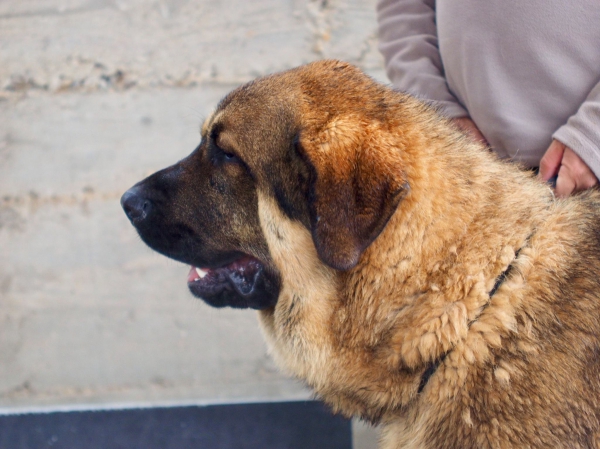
{"x":523,"y":76}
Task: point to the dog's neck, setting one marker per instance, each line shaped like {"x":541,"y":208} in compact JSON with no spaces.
{"x":297,"y":328}
{"x":423,"y":260}
{"x":439,"y":266}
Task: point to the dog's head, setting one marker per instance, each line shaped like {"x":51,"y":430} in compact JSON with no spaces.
{"x":314,"y":140}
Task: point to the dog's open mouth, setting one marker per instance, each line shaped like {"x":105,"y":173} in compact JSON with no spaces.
{"x":235,"y":285}
{"x":240,"y":276}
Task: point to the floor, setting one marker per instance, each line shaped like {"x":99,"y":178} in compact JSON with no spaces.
{"x":284,"y":425}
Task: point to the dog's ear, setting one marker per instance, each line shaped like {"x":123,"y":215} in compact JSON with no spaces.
{"x":357,"y":183}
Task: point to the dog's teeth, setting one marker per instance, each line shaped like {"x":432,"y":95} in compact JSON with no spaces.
{"x":201,"y":273}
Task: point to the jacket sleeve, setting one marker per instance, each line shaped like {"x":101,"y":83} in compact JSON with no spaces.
{"x":581,"y":133}
{"x":409,"y":44}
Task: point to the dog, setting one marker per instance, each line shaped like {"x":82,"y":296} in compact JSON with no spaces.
{"x":401,"y":270}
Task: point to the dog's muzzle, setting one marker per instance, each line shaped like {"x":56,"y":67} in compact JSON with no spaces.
{"x":238,"y":281}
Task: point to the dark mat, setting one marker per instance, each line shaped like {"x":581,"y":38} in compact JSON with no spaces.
{"x":284,"y":425}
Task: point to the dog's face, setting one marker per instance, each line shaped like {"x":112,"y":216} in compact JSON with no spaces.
{"x":289,"y":138}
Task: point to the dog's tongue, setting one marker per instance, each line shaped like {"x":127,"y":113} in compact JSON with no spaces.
{"x":197,"y":273}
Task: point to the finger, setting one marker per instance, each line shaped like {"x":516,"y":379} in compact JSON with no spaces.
{"x":565,"y":184}
{"x":580,"y":173}
{"x":480,"y":137}
{"x":550,"y":163}
{"x":469,"y":127}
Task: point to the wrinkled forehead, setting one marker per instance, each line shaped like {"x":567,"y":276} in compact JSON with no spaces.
{"x":255,"y":117}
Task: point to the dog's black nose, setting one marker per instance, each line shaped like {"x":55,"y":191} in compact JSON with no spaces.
{"x":135,"y":205}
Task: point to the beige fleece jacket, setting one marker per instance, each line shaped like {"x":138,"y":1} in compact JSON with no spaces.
{"x":524,"y":71}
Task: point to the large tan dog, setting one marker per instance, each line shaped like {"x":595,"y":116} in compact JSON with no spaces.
{"x":402,"y":271}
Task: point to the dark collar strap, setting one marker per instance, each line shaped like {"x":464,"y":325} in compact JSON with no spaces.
{"x":500,"y":279}
{"x":432,"y":368}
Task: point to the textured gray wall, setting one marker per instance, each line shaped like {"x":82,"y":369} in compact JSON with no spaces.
{"x":95,"y":95}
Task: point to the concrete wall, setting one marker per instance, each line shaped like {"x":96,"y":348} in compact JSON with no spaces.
{"x":95,"y":95}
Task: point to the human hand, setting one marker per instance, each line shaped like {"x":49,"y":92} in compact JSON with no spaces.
{"x":469,"y":127}
{"x":573,"y":174}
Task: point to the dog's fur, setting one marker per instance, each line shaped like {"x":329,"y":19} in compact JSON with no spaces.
{"x":381,"y":231}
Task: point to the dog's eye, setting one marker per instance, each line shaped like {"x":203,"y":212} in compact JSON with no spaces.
{"x":229,"y":156}
{"x":221,"y":156}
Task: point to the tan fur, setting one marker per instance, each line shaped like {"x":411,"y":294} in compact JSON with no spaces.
{"x":299,"y":324}
{"x":388,"y":258}
{"x":207,"y":122}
